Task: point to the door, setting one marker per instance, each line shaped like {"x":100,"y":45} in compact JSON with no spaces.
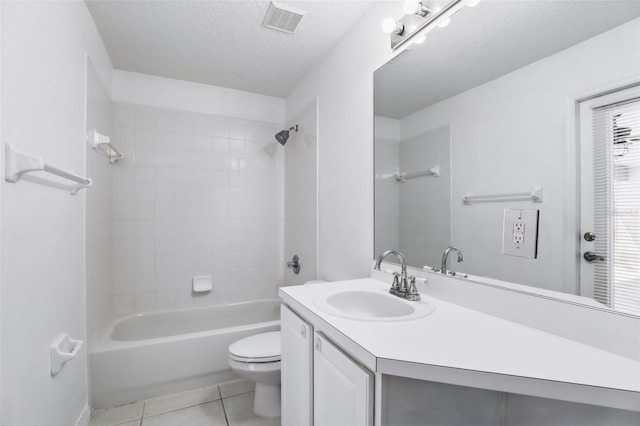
{"x":343,"y":390}
{"x":297,"y":369}
{"x":610,"y":200}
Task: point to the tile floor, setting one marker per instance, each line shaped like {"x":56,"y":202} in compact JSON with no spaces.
{"x":227,"y":404}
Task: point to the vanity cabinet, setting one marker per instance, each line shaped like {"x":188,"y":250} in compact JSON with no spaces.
{"x":321,"y":385}
{"x":297,"y":369}
{"x":342,"y":390}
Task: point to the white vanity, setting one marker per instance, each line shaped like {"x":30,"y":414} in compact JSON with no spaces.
{"x":439,"y":363}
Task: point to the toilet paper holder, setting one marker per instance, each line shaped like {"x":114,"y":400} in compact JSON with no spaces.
{"x":63,"y":349}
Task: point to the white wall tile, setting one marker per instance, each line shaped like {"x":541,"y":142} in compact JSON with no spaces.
{"x":124,"y":304}
{"x":165,"y":140}
{"x":145,"y":118}
{"x":124,"y":116}
{"x":179,"y":210}
{"x":145,"y":301}
{"x":145,"y":138}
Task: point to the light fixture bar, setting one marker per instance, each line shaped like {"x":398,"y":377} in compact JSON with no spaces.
{"x":414,"y":23}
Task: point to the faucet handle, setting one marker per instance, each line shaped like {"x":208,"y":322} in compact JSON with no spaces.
{"x":412,"y":291}
{"x":395,"y":287}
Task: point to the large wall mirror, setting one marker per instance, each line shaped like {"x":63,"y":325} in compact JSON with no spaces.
{"x":503,"y":106}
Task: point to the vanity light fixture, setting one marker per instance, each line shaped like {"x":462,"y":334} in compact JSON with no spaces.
{"x":420,"y":17}
{"x":391,"y":26}
{"x":415,"y":7}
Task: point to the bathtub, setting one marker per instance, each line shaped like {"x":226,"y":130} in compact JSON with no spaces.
{"x":146,"y":355}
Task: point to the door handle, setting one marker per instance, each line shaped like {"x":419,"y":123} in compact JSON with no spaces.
{"x":590,"y":256}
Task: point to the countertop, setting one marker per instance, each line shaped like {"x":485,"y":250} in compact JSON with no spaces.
{"x":461,"y":346}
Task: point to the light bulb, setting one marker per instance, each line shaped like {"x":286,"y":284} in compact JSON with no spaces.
{"x":388,"y":25}
{"x":410,"y":6}
{"x":419,"y":39}
{"x":472,"y":3}
{"x":444,"y":22}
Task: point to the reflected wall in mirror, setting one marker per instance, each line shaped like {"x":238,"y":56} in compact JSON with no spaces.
{"x":494,"y":101}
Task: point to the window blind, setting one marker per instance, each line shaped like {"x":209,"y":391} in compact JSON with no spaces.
{"x":616,"y":171}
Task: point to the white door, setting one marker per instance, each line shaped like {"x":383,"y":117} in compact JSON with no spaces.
{"x":610,"y":200}
{"x":342,"y":390}
{"x":297,"y":369}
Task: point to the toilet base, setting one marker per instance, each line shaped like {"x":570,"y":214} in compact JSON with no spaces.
{"x":266,"y":402}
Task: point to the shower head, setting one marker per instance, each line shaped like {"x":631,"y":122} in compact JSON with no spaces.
{"x":283,"y":135}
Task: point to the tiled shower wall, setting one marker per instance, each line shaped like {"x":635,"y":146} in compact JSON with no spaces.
{"x":425,"y":202}
{"x":387,"y":196}
{"x":196,"y":195}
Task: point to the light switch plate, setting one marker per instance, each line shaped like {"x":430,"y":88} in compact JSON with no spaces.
{"x":520,"y":233}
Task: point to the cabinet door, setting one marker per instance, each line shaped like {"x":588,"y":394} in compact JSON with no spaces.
{"x":342,"y":390}
{"x":297,"y":370}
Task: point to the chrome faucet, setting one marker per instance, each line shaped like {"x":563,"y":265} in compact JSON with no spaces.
{"x":402,"y":286}
{"x":445,"y":255}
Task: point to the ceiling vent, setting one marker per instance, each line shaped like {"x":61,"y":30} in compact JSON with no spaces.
{"x":282,"y":18}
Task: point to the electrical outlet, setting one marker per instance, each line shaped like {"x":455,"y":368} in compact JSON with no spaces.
{"x":520,"y":233}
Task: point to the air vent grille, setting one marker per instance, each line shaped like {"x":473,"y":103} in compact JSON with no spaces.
{"x":282,"y":18}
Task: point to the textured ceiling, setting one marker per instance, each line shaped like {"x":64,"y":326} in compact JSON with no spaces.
{"x":221,"y":43}
{"x":485,"y":42}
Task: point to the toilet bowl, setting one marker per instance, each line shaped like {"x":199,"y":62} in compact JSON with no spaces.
{"x":257,"y":358}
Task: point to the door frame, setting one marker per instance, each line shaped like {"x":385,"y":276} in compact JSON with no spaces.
{"x":572,"y":255}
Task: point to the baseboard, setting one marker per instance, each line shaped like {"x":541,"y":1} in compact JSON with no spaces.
{"x":84,"y":418}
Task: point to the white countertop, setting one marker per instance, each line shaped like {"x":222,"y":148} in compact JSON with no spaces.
{"x":466,"y":347}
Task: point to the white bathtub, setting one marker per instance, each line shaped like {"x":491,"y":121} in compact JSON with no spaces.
{"x":157,"y":353}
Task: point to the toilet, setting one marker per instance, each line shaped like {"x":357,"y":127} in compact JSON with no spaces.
{"x":257,"y":358}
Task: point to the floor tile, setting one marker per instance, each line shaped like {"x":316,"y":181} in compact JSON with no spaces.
{"x":239,"y":411}
{"x":236,"y":387}
{"x":117,"y":415}
{"x":164,"y":404}
{"x":209,"y":414}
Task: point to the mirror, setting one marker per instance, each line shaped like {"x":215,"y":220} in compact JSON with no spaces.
{"x":489,"y":106}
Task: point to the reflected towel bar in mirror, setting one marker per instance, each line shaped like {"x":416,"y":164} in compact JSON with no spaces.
{"x":534,"y":195}
{"x":433,"y":171}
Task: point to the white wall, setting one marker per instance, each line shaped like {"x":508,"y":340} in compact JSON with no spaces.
{"x":343,"y":84}
{"x":144,"y":89}
{"x":99,"y":259}
{"x":301,"y":200}
{"x":511,"y":134}
{"x":1,"y":172}
{"x":196,"y":194}
{"x":43,"y":269}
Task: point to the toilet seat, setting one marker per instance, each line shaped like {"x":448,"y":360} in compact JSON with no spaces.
{"x":261,"y":348}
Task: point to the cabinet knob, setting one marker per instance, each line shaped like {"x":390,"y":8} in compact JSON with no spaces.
{"x":303,"y":330}
{"x":318,"y":343}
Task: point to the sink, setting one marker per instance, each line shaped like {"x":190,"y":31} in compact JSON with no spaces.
{"x":371,"y":304}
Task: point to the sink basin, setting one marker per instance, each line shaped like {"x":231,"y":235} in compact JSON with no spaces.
{"x":368,"y":304}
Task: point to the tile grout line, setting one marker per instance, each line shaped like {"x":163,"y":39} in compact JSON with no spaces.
{"x":144,"y":407}
{"x":224,"y":410}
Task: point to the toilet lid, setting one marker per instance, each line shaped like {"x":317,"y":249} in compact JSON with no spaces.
{"x":263,"y":347}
